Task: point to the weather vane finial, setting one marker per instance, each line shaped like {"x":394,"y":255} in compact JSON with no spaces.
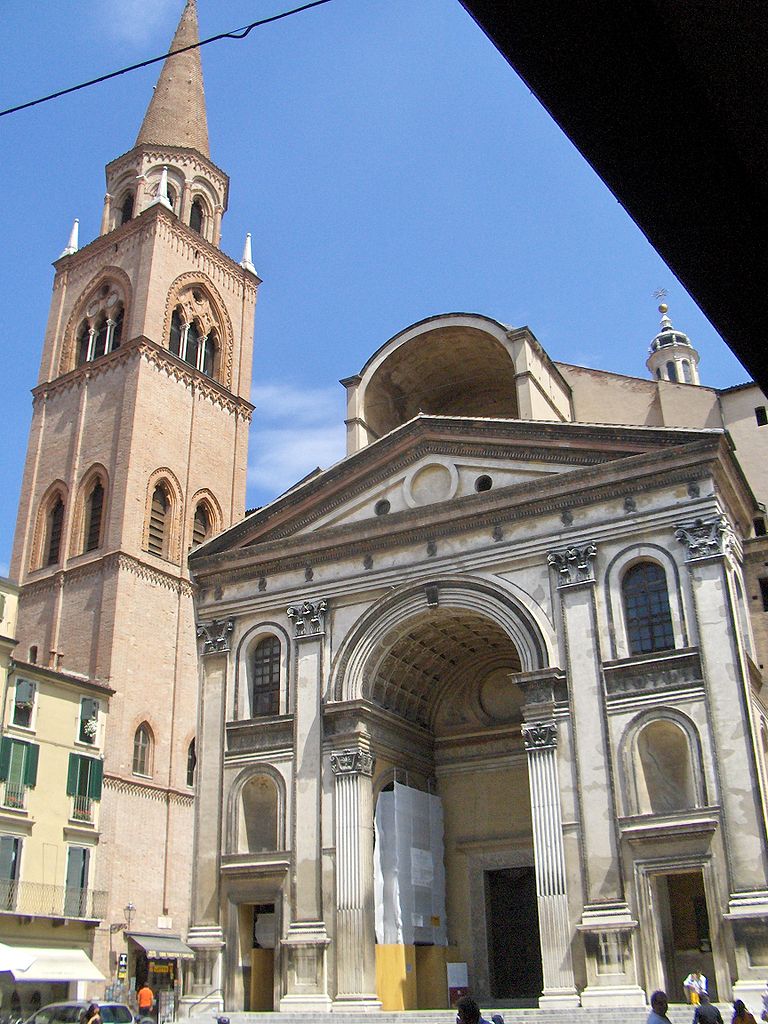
{"x":661,"y":294}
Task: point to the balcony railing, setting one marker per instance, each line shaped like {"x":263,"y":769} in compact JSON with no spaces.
{"x":15,"y":795}
{"x":38,"y":900}
{"x":82,"y":808}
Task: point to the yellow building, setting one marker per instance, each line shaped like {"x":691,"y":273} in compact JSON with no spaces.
{"x":51,"y":753}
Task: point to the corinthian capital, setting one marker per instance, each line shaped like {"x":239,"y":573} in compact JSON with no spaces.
{"x":573,"y":564}
{"x":215,"y":635}
{"x":540,"y":735}
{"x":308,"y":618}
{"x":704,"y":537}
{"x":352,"y":761}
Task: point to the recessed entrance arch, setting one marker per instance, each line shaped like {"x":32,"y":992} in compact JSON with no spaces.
{"x":436,"y":667}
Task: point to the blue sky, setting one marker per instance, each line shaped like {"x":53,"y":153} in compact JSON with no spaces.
{"x":390,"y":166}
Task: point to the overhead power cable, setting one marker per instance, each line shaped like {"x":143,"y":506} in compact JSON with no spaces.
{"x":238,"y":33}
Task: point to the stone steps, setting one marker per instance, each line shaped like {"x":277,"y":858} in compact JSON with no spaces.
{"x":679,"y":1013}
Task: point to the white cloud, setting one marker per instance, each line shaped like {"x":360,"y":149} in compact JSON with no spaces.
{"x":138,"y":21}
{"x":294,"y":431}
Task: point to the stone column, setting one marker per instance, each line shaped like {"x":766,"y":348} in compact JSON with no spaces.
{"x":218,"y":213}
{"x":606,"y":921}
{"x":306,"y":939}
{"x":709,"y":543}
{"x":355,"y":929}
{"x":185,"y":201}
{"x":205,"y":979}
{"x":106,"y":214}
{"x":549,"y":856}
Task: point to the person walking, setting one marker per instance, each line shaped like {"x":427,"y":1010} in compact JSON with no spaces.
{"x":145,"y":997}
{"x":706,"y":1012}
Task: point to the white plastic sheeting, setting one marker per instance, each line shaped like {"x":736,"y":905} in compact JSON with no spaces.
{"x":408,"y":866}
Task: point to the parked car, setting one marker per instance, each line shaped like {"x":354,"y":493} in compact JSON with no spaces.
{"x":69,"y":1013}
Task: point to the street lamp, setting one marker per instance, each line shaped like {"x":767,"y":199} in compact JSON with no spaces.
{"x":129,"y":910}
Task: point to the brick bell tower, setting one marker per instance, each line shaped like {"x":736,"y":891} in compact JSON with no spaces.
{"x":137,"y":453}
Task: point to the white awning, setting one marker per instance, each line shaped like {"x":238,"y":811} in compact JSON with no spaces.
{"x":42,"y":963}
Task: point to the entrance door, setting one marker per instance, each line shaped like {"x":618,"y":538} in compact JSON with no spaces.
{"x":685,"y":931}
{"x":514,"y":953}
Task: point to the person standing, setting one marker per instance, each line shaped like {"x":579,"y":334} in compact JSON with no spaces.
{"x":145,"y":997}
{"x":659,"y":1007}
{"x":741,"y":1014}
{"x":694,"y":985}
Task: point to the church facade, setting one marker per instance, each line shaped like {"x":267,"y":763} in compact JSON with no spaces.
{"x":482,"y":704}
{"x":137,"y":453}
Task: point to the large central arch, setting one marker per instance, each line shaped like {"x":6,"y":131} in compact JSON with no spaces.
{"x":432,"y":667}
{"x":515,"y":615}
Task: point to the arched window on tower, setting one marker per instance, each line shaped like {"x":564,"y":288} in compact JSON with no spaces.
{"x":646,"y":609}
{"x":687,"y":376}
{"x":188,"y":342}
{"x":142,"y":750}
{"x":54,"y":527}
{"x":94,"y":509}
{"x":83,"y":343}
{"x":672,"y":372}
{"x":126,"y":208}
{"x":201,"y":525}
{"x":177,"y":328}
{"x":172,"y":197}
{"x":208,"y":352}
{"x":265,"y":678}
{"x":157,"y":535}
{"x":191,"y":763}
{"x":197,"y":216}
{"x":100,"y":338}
{"x":116,"y":329}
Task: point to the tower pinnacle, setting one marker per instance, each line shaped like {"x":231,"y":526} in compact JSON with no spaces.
{"x":176,"y":113}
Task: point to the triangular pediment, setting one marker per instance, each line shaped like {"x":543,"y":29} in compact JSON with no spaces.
{"x":451,"y":466}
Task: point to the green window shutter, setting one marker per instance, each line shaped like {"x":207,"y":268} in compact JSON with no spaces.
{"x":94,"y":779}
{"x":73,"y":773}
{"x":30,"y":764}
{"x":5,"y":758}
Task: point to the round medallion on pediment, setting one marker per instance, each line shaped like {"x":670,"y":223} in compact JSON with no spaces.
{"x":430,"y":483}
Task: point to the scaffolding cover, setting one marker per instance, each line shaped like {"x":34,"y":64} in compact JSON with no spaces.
{"x":409,"y":872}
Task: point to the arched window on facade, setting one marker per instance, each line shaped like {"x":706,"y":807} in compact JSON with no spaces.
{"x":207,"y":358}
{"x":663,"y":769}
{"x":157,"y":534}
{"x":100,"y":338}
{"x":53,"y":533}
{"x":94,"y":510}
{"x":83,"y":342}
{"x":197,"y":216}
{"x":257,"y":827}
{"x":201,"y":525}
{"x":191,"y":763}
{"x":646,"y":609}
{"x":265,"y":678}
{"x":126,"y":208}
{"x":142,"y":750}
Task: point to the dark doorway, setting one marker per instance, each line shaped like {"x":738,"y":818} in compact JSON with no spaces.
{"x":514,"y":953}
{"x":685,"y":932}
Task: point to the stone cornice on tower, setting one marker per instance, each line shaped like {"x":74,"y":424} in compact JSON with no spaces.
{"x":176,"y":113}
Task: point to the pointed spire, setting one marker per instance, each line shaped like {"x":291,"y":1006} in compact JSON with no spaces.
{"x":162,"y":192}
{"x":247,"y":261}
{"x":176,"y":113}
{"x":73,"y":244}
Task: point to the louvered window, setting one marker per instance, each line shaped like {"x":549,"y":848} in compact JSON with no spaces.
{"x":55,"y":525}
{"x":201,"y":525}
{"x":93,"y":509}
{"x":142,"y":751}
{"x":158,"y":522}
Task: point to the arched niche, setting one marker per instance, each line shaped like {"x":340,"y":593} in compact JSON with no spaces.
{"x":256,"y":812}
{"x":663,"y":762}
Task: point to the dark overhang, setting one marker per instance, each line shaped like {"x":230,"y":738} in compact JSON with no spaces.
{"x":668,"y":101}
